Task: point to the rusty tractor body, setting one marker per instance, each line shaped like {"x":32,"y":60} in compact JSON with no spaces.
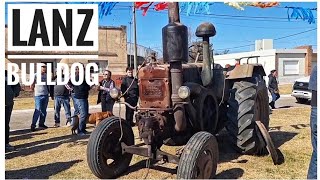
{"x":185,"y":104}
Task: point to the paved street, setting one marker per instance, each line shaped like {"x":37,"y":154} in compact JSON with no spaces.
{"x":21,"y":119}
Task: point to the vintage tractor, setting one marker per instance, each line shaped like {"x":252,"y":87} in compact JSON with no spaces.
{"x":185,"y":104}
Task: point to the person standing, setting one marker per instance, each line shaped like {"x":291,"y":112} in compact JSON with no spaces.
{"x":104,"y":97}
{"x":70,"y":86}
{"x":312,"y":172}
{"x":11,"y":91}
{"x":81,"y":94}
{"x":41,"y":98}
{"x":61,"y":97}
{"x":273,"y":88}
{"x":130,"y":89}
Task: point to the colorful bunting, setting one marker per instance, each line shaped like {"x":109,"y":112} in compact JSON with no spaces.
{"x":106,"y":8}
{"x":161,"y":6}
{"x":197,"y":7}
{"x":265,"y":4}
{"x":305,"y":14}
{"x":238,"y":5}
{"x":301,"y":13}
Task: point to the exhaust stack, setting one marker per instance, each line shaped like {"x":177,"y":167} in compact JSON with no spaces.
{"x":206,"y":30}
{"x":175,"y":51}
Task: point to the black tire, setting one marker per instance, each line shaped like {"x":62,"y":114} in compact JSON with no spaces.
{"x":207,"y":111}
{"x":104,"y":146}
{"x":248,"y":102}
{"x":301,"y":100}
{"x":199,"y":158}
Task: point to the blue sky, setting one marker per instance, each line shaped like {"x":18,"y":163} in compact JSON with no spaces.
{"x":232,"y":32}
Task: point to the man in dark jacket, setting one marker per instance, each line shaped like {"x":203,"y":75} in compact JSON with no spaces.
{"x":273,"y":88}
{"x":11,"y":91}
{"x":61,"y":97}
{"x":81,"y":94}
{"x":104,"y":92}
{"x":130,"y":89}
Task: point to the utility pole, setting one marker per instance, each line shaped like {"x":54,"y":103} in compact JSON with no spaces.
{"x":135,"y":39}
{"x":130,"y":46}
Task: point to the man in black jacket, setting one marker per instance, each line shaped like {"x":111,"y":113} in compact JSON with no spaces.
{"x":273,"y":88}
{"x":130,"y":89}
{"x":11,"y":91}
{"x":81,"y":94}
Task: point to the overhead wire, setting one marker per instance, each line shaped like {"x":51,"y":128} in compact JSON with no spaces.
{"x":236,"y":47}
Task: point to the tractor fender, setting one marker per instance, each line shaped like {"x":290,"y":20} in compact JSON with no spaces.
{"x":245,"y":71}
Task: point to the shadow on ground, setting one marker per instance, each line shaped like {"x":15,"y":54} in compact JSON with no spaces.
{"x":233,"y":173}
{"x":281,"y":137}
{"x":43,"y":145}
{"x":284,"y":107}
{"x":26,"y":136}
{"x":153,"y":165}
{"x":40,"y":172}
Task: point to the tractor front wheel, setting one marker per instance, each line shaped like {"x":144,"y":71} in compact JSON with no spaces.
{"x":199,"y":158}
{"x":104,"y":152}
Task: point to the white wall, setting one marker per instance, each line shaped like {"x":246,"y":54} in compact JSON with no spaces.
{"x":266,"y":59}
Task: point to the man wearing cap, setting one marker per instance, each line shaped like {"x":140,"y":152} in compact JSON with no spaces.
{"x":41,"y":99}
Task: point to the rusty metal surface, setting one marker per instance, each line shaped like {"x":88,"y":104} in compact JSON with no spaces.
{"x":240,"y":71}
{"x":154,"y":86}
{"x":173,"y":12}
{"x":245,"y":70}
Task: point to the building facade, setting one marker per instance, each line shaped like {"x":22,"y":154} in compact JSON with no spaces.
{"x":112,"y":52}
{"x":291,"y":64}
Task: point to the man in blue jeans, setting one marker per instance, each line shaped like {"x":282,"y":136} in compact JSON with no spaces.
{"x":312,"y":172}
{"x":61,"y":97}
{"x":41,"y":98}
{"x":273,"y":88}
{"x":81,"y":94}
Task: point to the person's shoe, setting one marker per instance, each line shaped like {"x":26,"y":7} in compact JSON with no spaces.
{"x":56,"y":125}
{"x":33,"y":129}
{"x":43,"y":126}
{"x":9,"y":147}
{"x":81,"y":134}
{"x":272,"y":105}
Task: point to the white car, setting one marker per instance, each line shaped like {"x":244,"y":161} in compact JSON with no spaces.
{"x":300,"y":90}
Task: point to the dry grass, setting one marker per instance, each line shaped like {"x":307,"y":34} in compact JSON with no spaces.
{"x":28,"y":102}
{"x":55,"y":153}
{"x":285,"y":88}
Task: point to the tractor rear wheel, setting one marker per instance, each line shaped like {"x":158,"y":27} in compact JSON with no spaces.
{"x":248,"y":103}
{"x":104,"y":152}
{"x":199,"y":158}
